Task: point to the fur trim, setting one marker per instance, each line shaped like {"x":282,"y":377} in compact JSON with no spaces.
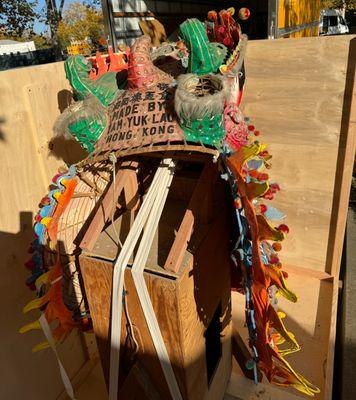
{"x":86,"y":109}
{"x":164,"y":50}
{"x":192,"y":106}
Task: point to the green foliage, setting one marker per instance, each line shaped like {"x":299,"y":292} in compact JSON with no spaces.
{"x":17,"y":19}
{"x":339,"y":4}
{"x":51,"y":15}
{"x":17,"y":16}
{"x":81,"y":22}
{"x":41,"y":42}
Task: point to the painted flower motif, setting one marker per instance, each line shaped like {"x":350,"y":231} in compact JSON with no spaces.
{"x":235,"y":127}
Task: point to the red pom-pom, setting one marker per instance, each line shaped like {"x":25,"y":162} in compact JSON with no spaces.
{"x":268,"y":195}
{"x":45,"y":201}
{"x":244,"y":13}
{"x":54,"y":179}
{"x":263,"y":177}
{"x":30,"y":265}
{"x":263,"y":208}
{"x":257,"y":133}
{"x":285,"y":274}
{"x":251,"y":128}
{"x":275,"y":187}
{"x":284,"y":228}
{"x":38,"y":218}
{"x":31,"y":285}
{"x":253,"y":173}
{"x":274,"y":260}
{"x":86,"y":324}
{"x":264,"y":153}
{"x":277,"y":246}
{"x":226,"y":41}
{"x":237,"y":203}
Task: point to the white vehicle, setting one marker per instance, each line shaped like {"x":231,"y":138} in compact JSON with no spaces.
{"x":332,"y":22}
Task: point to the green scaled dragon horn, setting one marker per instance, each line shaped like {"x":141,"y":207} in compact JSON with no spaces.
{"x":204,"y":57}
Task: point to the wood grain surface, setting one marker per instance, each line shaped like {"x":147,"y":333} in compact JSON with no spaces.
{"x":295,"y":95}
{"x":31,"y":98}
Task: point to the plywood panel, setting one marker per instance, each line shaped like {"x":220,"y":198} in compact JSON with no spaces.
{"x":295,"y":95}
{"x":162,"y":290}
{"x":211,"y":260}
{"x":30,"y":100}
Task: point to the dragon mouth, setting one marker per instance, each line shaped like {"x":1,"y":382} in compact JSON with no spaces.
{"x":234,"y":63}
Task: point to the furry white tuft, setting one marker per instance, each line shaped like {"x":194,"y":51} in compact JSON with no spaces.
{"x":190,"y":101}
{"x":86,"y":109}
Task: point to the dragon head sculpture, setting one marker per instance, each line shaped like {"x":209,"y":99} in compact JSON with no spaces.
{"x":136,"y":107}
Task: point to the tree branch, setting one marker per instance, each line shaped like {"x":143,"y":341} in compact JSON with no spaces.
{"x":60,"y":10}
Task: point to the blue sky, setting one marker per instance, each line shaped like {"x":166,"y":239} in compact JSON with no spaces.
{"x":41,"y":27}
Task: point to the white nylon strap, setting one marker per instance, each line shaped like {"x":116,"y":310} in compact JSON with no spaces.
{"x":162,"y":175}
{"x":141,"y":287}
{"x":118,"y":285}
{"x":65,"y":378}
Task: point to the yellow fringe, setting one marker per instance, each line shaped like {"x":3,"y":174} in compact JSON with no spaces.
{"x":40,"y":346}
{"x":31,"y":326}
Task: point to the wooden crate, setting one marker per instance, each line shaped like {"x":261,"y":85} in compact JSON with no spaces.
{"x":191,"y":299}
{"x":300,"y":95}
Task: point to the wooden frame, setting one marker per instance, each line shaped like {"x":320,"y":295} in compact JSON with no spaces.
{"x":199,"y":209}
{"x":180,"y":317}
{"x":126,"y":180}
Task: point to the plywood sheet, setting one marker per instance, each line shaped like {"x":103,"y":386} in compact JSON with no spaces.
{"x":30,"y":100}
{"x":295,"y":96}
